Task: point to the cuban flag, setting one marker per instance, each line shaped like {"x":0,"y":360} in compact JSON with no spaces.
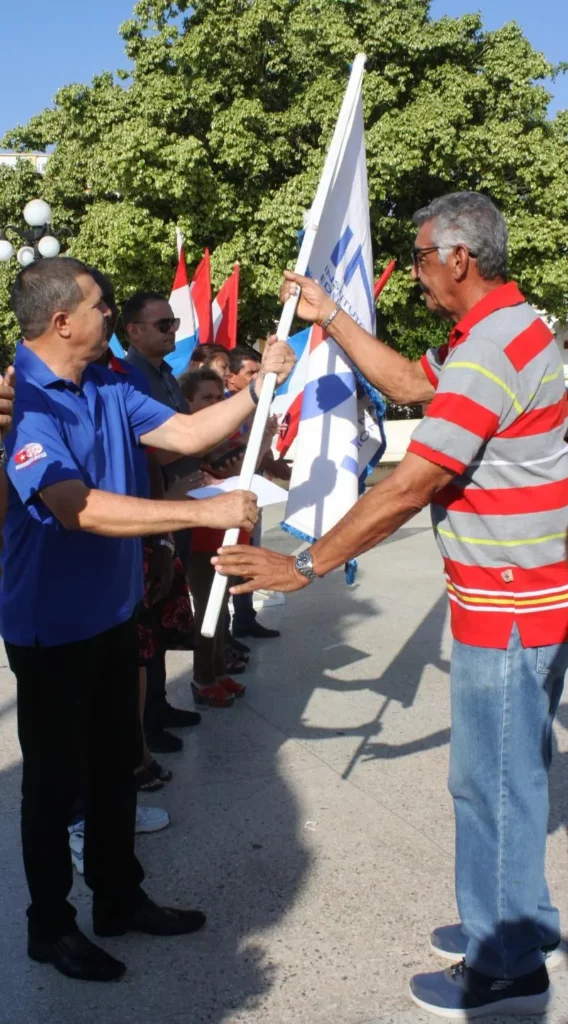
{"x":339,"y":428}
{"x":225,"y":311}
{"x":287,"y":402}
{"x":192,"y":304}
{"x":201,"y":295}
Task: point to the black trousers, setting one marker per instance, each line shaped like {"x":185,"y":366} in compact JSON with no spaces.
{"x":155,"y":691}
{"x":156,"y":668}
{"x":79,"y":730}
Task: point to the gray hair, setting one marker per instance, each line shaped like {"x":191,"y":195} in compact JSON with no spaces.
{"x":473,"y":220}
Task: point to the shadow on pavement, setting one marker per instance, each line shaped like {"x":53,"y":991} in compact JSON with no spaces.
{"x":236,"y":845}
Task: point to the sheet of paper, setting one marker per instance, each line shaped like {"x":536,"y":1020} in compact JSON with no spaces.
{"x":267,"y":492}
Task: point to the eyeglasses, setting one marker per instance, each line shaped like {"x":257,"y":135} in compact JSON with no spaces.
{"x":419,"y":251}
{"x":165,"y":325}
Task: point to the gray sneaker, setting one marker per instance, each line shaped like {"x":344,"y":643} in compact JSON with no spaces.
{"x":450,"y":943}
{"x":461,"y":993}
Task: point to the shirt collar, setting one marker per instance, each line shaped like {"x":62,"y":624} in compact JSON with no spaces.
{"x":32,"y":366}
{"x":500,"y":298}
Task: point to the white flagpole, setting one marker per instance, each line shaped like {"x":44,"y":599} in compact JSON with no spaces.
{"x":179,"y":240}
{"x":329,"y":173}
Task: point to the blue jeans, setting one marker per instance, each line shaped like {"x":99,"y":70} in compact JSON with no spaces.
{"x":503,"y":707}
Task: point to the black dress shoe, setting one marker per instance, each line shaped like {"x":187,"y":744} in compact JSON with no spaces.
{"x":76,"y":957}
{"x":178,"y":718}
{"x":149,"y":918}
{"x":161,"y":742}
{"x":257,"y":631}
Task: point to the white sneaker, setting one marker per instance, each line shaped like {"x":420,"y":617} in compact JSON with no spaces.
{"x":148,"y":819}
{"x":76,"y":844}
{"x":151,"y":819}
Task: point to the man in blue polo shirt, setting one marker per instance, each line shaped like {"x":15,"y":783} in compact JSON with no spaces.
{"x":72,"y":583}
{"x":6,"y":412}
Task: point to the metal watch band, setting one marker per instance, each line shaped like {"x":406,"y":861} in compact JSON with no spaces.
{"x":165,"y":543}
{"x":305,"y":565}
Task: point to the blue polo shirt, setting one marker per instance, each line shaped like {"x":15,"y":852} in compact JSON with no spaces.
{"x":131,"y":375}
{"x":62,"y":585}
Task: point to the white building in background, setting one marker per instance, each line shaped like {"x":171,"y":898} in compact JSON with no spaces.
{"x":39,"y":160}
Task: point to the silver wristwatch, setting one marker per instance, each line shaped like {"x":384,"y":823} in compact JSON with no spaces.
{"x":305,"y":564}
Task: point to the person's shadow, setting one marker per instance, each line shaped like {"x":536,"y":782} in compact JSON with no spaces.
{"x":236,"y":845}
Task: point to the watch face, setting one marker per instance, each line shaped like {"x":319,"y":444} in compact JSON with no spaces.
{"x":304,"y":564}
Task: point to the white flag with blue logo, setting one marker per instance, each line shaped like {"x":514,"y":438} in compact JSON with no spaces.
{"x":339,"y":433}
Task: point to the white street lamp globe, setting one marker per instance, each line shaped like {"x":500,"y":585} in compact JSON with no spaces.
{"x":48,"y":246}
{"x":6,"y":250}
{"x":37,"y":213}
{"x":25,"y":255}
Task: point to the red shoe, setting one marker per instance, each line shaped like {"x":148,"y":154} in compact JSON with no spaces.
{"x":232,"y":687}
{"x":214,"y":696}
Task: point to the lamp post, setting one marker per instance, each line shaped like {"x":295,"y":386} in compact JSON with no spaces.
{"x":39,"y":240}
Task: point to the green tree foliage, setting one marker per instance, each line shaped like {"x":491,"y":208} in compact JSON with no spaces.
{"x":222,"y":124}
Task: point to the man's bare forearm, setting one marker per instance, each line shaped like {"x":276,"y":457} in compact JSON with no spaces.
{"x":117,"y":515}
{"x":374,"y":518}
{"x":385,"y":508}
{"x":400,"y":379}
{"x":203,"y":430}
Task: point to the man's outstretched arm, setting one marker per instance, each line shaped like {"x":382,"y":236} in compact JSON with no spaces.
{"x":198,"y":433}
{"x":78,"y":507}
{"x":401,"y":380}
{"x":390,"y":504}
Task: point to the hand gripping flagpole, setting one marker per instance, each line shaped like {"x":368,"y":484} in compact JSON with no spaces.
{"x":330,"y":170}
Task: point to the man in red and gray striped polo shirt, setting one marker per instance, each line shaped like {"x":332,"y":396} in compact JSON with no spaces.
{"x":489,"y":457}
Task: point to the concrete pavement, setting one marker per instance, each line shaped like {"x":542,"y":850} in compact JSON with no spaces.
{"x":311,"y":822}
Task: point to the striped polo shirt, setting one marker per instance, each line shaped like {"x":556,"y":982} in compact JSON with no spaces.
{"x":498,"y":421}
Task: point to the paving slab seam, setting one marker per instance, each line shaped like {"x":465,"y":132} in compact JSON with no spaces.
{"x":428,"y":839}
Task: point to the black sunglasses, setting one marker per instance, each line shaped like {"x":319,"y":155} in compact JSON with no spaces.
{"x":419,"y":251}
{"x":164,"y":325}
